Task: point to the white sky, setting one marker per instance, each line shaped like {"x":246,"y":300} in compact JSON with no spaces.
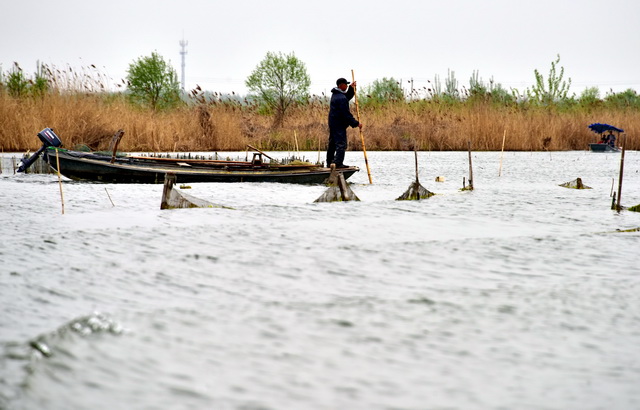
{"x":598,"y":40}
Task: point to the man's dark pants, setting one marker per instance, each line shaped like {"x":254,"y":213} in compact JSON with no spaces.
{"x":337,"y":146}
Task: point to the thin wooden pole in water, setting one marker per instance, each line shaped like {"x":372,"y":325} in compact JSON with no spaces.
{"x":169,"y":182}
{"x":612,"y":182}
{"x":364,"y":149}
{"x":342,"y":185}
{"x":504,"y":135}
{"x":470,"y":169}
{"x":416,"y":155}
{"x":624,"y":143}
{"x":60,"y":180}
{"x":109,"y":197}
{"x":613,"y":201}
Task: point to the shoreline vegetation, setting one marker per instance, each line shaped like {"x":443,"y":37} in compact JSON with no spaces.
{"x":81,"y":113}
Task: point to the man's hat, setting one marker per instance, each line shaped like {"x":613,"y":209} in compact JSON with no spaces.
{"x":342,"y":81}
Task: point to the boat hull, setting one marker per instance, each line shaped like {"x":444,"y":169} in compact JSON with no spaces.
{"x":603,"y":148}
{"x":97,"y":168}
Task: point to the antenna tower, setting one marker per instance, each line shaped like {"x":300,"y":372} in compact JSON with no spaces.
{"x":183,"y":53}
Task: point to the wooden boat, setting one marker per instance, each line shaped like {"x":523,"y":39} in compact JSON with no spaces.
{"x":607,"y":141}
{"x":87,"y":166}
{"x":601,"y":147}
{"x":93,"y":166}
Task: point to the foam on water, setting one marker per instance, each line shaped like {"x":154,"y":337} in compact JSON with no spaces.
{"x":519,"y":294}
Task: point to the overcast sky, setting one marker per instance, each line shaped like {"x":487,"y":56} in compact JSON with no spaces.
{"x":598,"y":41}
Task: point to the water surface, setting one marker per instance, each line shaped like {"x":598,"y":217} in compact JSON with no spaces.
{"x":520,"y":294}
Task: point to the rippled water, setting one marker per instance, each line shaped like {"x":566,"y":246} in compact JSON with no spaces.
{"x":518,"y":295}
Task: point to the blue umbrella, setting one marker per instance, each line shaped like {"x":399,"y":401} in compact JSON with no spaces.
{"x":600,"y":128}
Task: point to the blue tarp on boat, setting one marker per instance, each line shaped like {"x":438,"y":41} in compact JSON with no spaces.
{"x":600,"y":128}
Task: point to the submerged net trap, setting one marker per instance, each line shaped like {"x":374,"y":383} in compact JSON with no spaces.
{"x":575,"y":184}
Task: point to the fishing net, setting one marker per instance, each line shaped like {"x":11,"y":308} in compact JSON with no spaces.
{"x":575,"y":184}
{"x":415,"y":192}
{"x":338,"y":189}
{"x":174,"y":199}
{"x":334,"y":194}
{"x":179,"y":199}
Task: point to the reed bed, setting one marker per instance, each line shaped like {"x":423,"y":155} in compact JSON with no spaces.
{"x":93,"y":118}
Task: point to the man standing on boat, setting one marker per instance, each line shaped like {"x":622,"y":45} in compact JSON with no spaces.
{"x":340,"y":118}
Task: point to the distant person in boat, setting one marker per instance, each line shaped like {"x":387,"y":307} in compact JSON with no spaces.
{"x":611,"y":139}
{"x":340,"y":118}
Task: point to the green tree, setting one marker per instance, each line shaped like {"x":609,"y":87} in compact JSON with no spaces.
{"x":590,"y":96}
{"x":17,"y":84}
{"x":451,"y":85}
{"x":153,"y":82}
{"x":279,"y":81}
{"x":450,"y":93}
{"x":40,"y":83}
{"x":555,"y":89}
{"x":382,"y":91}
{"x":477,"y":89}
{"x":626,"y":98}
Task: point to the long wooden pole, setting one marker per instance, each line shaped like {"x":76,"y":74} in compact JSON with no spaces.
{"x":60,"y":180}
{"x":504,"y":135}
{"x":364,"y":149}
{"x":415,"y":152}
{"x":612,"y":182}
{"x":111,"y":200}
{"x":624,"y":143}
{"x":470,"y":169}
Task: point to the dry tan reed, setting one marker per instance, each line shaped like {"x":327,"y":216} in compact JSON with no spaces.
{"x":92,"y":119}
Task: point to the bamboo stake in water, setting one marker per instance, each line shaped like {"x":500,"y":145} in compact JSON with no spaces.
{"x":364,"y":149}
{"x":504,"y":135}
{"x":109,"y":197}
{"x":470,"y":169}
{"x":624,"y":143}
{"x":295,"y":138}
{"x":612,"y":182}
{"x":60,"y":180}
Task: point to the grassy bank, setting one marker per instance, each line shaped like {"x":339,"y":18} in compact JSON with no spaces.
{"x":93,"y":118}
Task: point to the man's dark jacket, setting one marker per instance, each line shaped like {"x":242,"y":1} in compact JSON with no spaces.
{"x":339,"y":115}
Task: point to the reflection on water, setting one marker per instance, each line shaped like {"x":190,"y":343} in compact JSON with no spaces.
{"x":520,"y":294}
